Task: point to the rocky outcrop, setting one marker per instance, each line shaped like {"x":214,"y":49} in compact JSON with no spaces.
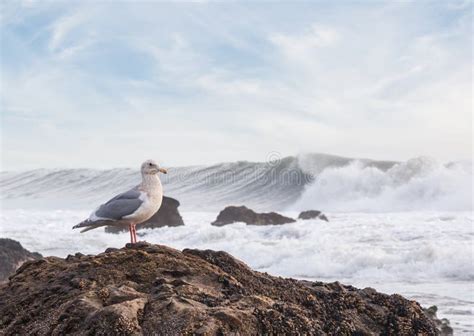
{"x":234,"y":214}
{"x":313,"y":214}
{"x":151,"y":289}
{"x":167,"y":215}
{"x":148,"y":289}
{"x":12,"y":256}
{"x":443,"y":326}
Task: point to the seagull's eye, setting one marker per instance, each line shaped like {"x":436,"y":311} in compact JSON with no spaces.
{"x":150,"y":164}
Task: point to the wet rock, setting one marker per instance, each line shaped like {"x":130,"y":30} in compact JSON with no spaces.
{"x":313,"y":214}
{"x":167,"y":215}
{"x":443,"y":326}
{"x":234,"y":214}
{"x":12,"y":256}
{"x":156,"y":290}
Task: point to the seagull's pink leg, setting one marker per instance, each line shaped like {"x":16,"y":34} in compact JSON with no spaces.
{"x":134,"y":233}
{"x":130,"y":228}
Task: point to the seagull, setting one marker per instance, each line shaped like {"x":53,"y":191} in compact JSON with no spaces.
{"x":132,"y":207}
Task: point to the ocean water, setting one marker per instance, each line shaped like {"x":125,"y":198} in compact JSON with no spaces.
{"x":399,"y":227}
{"x":426,"y":256}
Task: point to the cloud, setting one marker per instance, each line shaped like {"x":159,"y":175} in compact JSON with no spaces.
{"x":306,"y":44}
{"x":218,"y":84}
{"x":62,"y":27}
{"x":191,"y":83}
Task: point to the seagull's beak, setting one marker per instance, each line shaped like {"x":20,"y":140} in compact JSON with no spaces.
{"x":163,"y":170}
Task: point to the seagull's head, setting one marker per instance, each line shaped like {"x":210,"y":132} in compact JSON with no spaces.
{"x":150,"y":167}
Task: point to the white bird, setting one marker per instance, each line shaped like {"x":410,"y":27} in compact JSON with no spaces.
{"x":132,"y":207}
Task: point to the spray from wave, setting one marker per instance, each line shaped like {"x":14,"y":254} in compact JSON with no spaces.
{"x":417,"y":184}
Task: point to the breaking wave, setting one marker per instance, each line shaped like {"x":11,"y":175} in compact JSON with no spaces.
{"x":327,"y":182}
{"x":417,"y":184}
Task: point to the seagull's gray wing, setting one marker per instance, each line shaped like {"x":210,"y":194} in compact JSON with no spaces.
{"x":120,"y":206}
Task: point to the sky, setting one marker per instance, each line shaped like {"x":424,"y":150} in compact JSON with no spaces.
{"x":109,"y":84}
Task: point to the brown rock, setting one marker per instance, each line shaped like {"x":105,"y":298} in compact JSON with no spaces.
{"x":148,"y":289}
{"x":312,"y":214}
{"x":443,"y":326}
{"x":167,"y":215}
{"x":12,"y":256}
{"x":234,"y":214}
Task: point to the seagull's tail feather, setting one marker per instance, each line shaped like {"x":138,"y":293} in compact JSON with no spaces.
{"x":90,"y":225}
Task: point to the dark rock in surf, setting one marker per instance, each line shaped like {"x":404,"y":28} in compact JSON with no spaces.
{"x":12,"y":256}
{"x":313,"y":214}
{"x":234,"y":214}
{"x":167,"y":215}
{"x":145,"y":289}
{"x":443,"y":326}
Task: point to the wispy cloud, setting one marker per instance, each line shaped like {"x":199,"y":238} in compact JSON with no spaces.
{"x":191,"y":83}
{"x":306,"y":44}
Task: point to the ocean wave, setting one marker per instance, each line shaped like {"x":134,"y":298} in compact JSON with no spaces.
{"x":417,"y":184}
{"x":320,"y":181}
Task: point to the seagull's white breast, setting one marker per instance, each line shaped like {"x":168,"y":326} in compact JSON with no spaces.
{"x":151,"y":204}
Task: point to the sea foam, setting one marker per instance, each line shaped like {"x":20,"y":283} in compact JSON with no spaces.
{"x":418,"y":184}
